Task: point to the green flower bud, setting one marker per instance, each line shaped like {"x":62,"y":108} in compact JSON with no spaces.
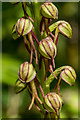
{"x":68,"y":75}
{"x":54,"y":102}
{"x":26,"y":72}
{"x":23,"y":26}
{"x":20,"y":86}
{"x":65,"y":29}
{"x":49,"y":10}
{"x":47,"y":48}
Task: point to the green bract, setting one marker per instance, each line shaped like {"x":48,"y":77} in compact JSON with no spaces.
{"x":54,"y":102}
{"x":26,"y":72}
{"x":47,"y":48}
{"x":49,"y":10}
{"x":68,"y":75}
{"x":20,"y":86}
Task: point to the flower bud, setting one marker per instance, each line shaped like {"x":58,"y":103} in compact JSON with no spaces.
{"x":49,"y":10}
{"x":65,"y":29}
{"x":68,"y":75}
{"x":54,"y":102}
{"x":26,"y":72}
{"x":47,"y":48}
{"x":23,"y":26}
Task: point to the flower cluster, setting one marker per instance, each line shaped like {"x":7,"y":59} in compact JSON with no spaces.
{"x":46,"y":101}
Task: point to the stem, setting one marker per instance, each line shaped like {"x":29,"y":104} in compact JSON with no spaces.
{"x":56,"y":36}
{"x":24,"y":9}
{"x":51,"y":71}
{"x":26,"y":45}
{"x":46,"y":25}
{"x":35,"y":37}
{"x":32,"y":45}
{"x":58,"y":85}
{"x":32,"y":102}
{"x":34,"y":91}
{"x":57,"y":39}
{"x":40,"y":87}
{"x":42,"y":26}
{"x":31,"y":55}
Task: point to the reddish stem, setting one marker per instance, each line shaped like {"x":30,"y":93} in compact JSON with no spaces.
{"x":35,"y":37}
{"x":26,"y":13}
{"x":40,"y":87}
{"x":57,"y":39}
{"x":51,"y":71}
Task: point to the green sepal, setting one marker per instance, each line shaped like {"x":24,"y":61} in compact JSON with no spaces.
{"x":15,"y":35}
{"x":20,"y":86}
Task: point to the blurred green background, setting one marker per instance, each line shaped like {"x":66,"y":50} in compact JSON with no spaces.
{"x":14,"y":53}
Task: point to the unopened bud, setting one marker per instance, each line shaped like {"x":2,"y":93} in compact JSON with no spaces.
{"x":23,"y":26}
{"x":68,"y":75}
{"x":26,"y":72}
{"x":47,"y":48}
{"x":49,"y":10}
{"x":54,"y":102}
{"x":65,"y":29}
